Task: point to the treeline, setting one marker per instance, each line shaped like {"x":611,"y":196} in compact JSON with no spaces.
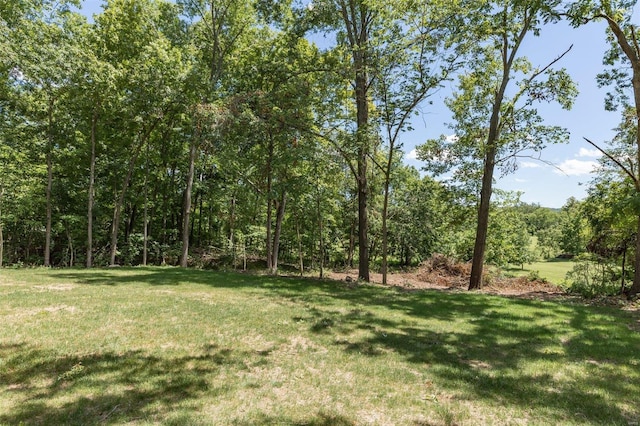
{"x":215,"y":133}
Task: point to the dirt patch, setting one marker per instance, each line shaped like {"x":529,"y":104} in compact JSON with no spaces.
{"x":444,"y":275}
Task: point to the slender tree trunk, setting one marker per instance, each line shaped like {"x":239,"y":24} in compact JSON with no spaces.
{"x":269,"y":240}
{"x":131,"y":223}
{"x":483,"y":221}
{"x":117,"y":211}
{"x":232,"y":219}
{"x":200,"y":216}
{"x":493,"y":137}
{"x":1,"y":229}
{"x":186,"y":208}
{"x":145,"y":225}
{"x":321,"y":237}
{"x":270,"y":150}
{"x":70,"y":247}
{"x":91,"y":195}
{"x":47,"y":237}
{"x":278,"y":231}
{"x":635,"y":288}
{"x":352,"y":244}
{"x":300,"y":255}
{"x":624,"y":269}
{"x":1,"y":243}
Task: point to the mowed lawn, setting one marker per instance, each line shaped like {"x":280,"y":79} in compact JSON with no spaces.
{"x":554,"y":270}
{"x":187,"y":347}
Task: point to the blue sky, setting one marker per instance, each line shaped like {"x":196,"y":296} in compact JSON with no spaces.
{"x":547,"y":185}
{"x":551,"y":185}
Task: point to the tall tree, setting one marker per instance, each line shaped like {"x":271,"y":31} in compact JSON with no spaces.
{"x":624,"y":75}
{"x":45,"y":61}
{"x":355,"y":21}
{"x":152,"y":72}
{"x":492,"y":128}
{"x":420,"y":48}
{"x":218,"y":26}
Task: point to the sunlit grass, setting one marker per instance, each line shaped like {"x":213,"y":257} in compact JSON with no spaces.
{"x":174,"y":346}
{"x":554,"y":270}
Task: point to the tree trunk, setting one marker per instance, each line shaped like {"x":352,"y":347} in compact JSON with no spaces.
{"x":47,"y":237}
{"x":231,"y":235}
{"x":120,"y":202}
{"x":493,"y":137}
{"x":385,"y":236}
{"x":186,"y":207}
{"x":269,"y":247}
{"x":300,"y":255}
{"x":1,"y":242}
{"x":91,"y":195}
{"x":1,"y":229}
{"x":321,"y":237}
{"x":278,"y":231}
{"x":483,"y":221}
{"x":357,"y":19}
{"x":352,"y":243}
{"x":363,"y":186}
{"x":635,"y":288}
{"x":70,"y":247}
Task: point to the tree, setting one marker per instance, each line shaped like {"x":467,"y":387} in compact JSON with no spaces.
{"x":355,"y":21}
{"x":624,"y":75}
{"x":45,"y":61}
{"x":419,"y":49}
{"x":152,"y":72}
{"x":492,"y":128}
{"x":217,"y":33}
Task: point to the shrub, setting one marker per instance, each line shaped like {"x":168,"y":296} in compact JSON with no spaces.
{"x":592,"y":277}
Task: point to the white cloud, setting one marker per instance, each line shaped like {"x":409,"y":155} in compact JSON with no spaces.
{"x":412,"y":155}
{"x":451,"y":138}
{"x":529,"y":165}
{"x":593,"y":153}
{"x":521,"y":180}
{"x":577,"y":167}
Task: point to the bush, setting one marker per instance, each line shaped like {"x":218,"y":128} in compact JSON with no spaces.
{"x":592,"y":277}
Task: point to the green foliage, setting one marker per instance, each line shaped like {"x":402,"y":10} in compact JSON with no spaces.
{"x":592,"y":277}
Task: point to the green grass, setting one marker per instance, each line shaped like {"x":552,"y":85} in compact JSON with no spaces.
{"x":172,"y":346}
{"x":553,"y":270}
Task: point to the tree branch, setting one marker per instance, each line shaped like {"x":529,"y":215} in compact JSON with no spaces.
{"x":629,"y":173}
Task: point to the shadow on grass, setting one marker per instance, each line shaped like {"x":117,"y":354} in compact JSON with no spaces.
{"x":104,"y":387}
{"x":501,"y":353}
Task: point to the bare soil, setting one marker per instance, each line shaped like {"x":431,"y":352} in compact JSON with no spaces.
{"x":440,"y":273}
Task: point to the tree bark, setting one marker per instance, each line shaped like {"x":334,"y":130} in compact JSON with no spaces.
{"x":482,"y":227}
{"x":385,"y":209}
{"x":270,"y":149}
{"x":280,"y":209}
{"x":635,"y":287}
{"x":91,"y":195}
{"x":1,"y":229}
{"x":186,"y":207}
{"x":321,"y":237}
{"x":300,"y":255}
{"x":357,"y":19}
{"x":47,"y":237}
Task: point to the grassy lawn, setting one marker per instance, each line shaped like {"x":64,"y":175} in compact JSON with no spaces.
{"x":171,"y":346}
{"x":553,"y":270}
